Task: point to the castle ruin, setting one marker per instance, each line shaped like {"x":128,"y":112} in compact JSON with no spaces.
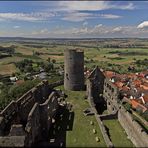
{"x":100,"y":88}
{"x":28,"y":120}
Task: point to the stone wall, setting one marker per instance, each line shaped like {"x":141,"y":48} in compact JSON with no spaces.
{"x":133,"y":129}
{"x":111,"y":95}
{"x":104,"y":132}
{"x":25,"y":103}
{"x":95,"y":84}
{"x":102,"y":128}
{"x":48,"y":110}
{"x":33,"y":125}
{"x":109,"y":116}
{"x":33,"y":112}
{"x":7,"y":116}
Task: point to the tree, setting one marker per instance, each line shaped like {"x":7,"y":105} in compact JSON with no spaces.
{"x":53,"y":61}
{"x":48,"y":67}
{"x":29,"y":68}
{"x":49,"y":59}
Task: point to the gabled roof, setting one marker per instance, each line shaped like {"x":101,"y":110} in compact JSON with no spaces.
{"x":145,"y":97}
{"x":109,"y":74}
{"x":94,"y":72}
{"x":119,"y":84}
{"x":135,"y":104}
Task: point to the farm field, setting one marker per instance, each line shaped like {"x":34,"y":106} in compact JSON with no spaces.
{"x":96,"y":53}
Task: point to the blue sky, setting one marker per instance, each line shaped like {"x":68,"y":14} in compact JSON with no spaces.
{"x":74,"y":19}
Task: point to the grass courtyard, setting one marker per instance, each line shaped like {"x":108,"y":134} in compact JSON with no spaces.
{"x":117,"y":133}
{"x":80,"y":133}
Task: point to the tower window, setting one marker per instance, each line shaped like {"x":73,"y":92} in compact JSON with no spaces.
{"x":67,"y":76}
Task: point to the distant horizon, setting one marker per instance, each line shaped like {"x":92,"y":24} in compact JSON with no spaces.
{"x":75,"y":37}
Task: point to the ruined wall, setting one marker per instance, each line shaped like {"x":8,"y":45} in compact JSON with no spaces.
{"x":104,"y":132}
{"x":111,"y":95}
{"x":95,"y":84}
{"x":102,"y":128}
{"x":25,"y":103}
{"x":7,"y":116}
{"x":48,"y":110}
{"x":74,"y":70}
{"x":27,"y":112}
{"x":33,"y":125}
{"x":132,"y":128}
{"x":109,"y":116}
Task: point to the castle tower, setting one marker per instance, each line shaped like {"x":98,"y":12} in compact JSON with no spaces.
{"x":74,"y":69}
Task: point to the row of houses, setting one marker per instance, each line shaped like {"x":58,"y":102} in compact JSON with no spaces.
{"x":114,"y":87}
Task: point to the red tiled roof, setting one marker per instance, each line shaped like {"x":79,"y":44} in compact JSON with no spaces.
{"x":136,"y":104}
{"x":132,"y":75}
{"x":144,"y":87}
{"x":125,"y":88}
{"x":137,"y":82}
{"x":109,"y":74}
{"x":119,"y":84}
{"x":145,"y":97}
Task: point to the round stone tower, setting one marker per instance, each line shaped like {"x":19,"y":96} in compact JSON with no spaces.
{"x":74,"y":69}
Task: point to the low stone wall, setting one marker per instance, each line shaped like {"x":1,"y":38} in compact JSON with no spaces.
{"x":55,"y":84}
{"x":133,"y":129}
{"x":104,"y":132}
{"x":97,"y":116}
{"x":109,"y":116}
{"x":102,"y":128}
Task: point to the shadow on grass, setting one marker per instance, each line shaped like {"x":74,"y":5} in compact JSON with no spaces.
{"x":107,"y":131}
{"x":57,"y":135}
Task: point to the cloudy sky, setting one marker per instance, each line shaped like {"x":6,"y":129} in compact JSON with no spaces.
{"x":74,"y":19}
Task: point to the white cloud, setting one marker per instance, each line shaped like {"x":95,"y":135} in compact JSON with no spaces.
{"x":92,"y":5}
{"x":143,"y":25}
{"x":43,"y":31}
{"x":83,"y":16}
{"x":16,"y":27}
{"x":76,"y":16}
{"x":85,"y":5}
{"x":85,"y":23}
{"x":110,"y":16}
{"x":117,"y":29}
{"x":129,"y":6}
{"x":30,"y":17}
{"x":98,"y":30}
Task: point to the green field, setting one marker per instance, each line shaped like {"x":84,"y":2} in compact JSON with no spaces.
{"x":96,"y":53}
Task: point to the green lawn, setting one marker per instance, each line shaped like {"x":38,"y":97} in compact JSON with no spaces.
{"x":81,"y":134}
{"x":117,"y":134}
